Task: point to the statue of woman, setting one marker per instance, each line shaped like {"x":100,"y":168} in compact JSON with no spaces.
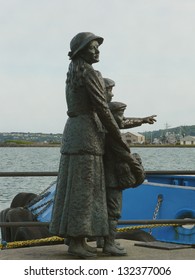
{"x":80,"y":208}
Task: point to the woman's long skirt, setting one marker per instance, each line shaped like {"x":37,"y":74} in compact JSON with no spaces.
{"x":80,"y":208}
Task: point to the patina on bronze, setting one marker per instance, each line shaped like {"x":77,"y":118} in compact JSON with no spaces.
{"x":122,"y":170}
{"x":128,"y":122}
{"x":80,"y":208}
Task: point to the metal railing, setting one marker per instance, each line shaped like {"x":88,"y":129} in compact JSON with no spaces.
{"x":29,"y":174}
{"x":55,"y":173}
{"x":121,"y":222}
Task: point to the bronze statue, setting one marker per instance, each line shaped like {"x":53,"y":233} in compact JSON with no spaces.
{"x":127,"y":122}
{"x":122,"y":170}
{"x":80,"y":208}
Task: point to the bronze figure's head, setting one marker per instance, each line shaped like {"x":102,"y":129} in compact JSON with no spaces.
{"x":85,"y":44}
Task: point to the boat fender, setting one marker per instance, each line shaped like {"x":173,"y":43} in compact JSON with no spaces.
{"x":187,"y":229}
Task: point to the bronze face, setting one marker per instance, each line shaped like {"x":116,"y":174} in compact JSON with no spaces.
{"x":109,"y":94}
{"x":91,"y":52}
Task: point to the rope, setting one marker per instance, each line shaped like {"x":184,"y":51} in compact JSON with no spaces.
{"x":30,"y":243}
{"x":56,"y":239}
{"x":126,"y":229}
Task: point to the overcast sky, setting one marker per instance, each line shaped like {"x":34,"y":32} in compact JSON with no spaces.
{"x":148,"y":49}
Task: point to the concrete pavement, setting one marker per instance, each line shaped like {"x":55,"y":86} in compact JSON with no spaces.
{"x":134,"y":252}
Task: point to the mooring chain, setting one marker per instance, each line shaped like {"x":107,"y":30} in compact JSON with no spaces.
{"x":156,"y":211}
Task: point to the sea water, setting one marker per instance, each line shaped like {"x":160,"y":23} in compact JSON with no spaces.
{"x":47,"y":159}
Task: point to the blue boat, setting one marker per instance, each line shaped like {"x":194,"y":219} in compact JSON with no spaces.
{"x":160,"y":197}
{"x":163,"y":197}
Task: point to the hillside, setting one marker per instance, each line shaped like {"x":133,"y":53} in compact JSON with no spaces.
{"x":23,"y":138}
{"x":179,"y":132}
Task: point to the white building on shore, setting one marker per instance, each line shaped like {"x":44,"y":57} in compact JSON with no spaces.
{"x":133,"y":138}
{"x":187,"y":140}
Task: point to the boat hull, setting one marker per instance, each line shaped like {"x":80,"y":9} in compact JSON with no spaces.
{"x":160,"y":197}
{"x":163,"y":198}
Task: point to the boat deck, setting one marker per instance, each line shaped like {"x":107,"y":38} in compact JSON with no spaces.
{"x":134,"y":252}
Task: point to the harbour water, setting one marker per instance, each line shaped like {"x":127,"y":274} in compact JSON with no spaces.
{"x":47,"y":159}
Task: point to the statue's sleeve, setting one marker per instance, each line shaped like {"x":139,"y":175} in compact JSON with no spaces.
{"x":94,"y":86}
{"x":131,"y":122}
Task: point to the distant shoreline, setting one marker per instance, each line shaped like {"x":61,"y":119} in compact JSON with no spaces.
{"x":35,"y":145}
{"x":56,"y":145}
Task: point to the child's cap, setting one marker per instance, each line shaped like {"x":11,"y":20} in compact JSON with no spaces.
{"x":109,"y":82}
{"x":116,"y":106}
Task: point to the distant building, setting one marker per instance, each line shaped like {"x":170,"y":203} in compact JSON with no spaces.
{"x":133,"y":138}
{"x":171,"y":138}
{"x":187,"y":140}
{"x":156,"y":141}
